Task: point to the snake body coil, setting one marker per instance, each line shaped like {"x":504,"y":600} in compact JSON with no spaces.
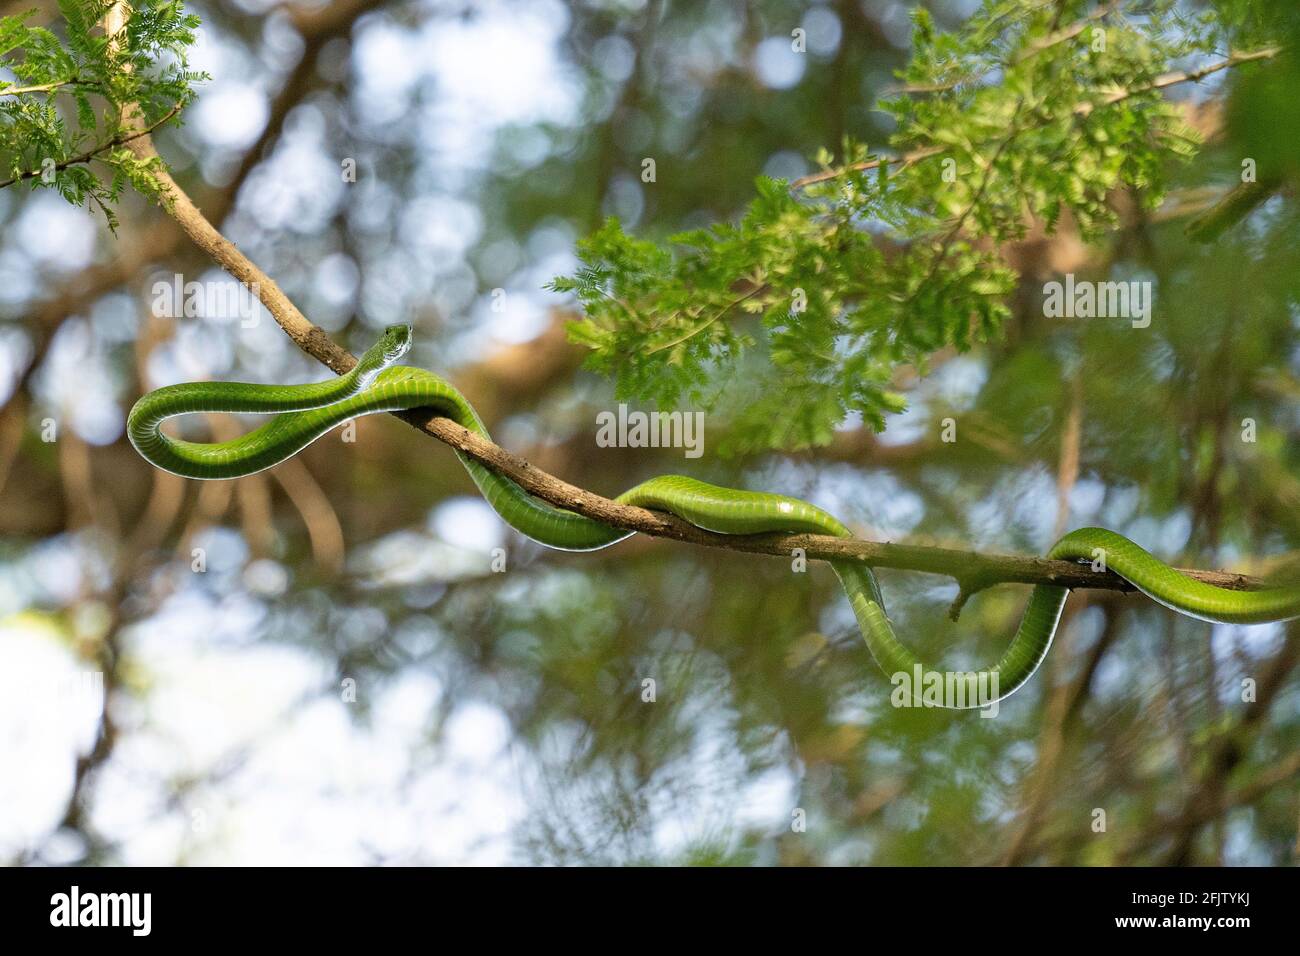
{"x":376,"y":384}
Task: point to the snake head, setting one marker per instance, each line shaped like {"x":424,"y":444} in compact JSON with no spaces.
{"x":396,"y":342}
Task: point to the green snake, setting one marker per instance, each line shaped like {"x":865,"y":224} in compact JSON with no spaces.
{"x":376,"y":384}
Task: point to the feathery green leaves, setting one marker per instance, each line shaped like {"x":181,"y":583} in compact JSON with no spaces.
{"x":799,"y":314}
{"x":77,"y":99}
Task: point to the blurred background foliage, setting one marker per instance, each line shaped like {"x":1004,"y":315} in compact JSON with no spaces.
{"x":347,"y":680}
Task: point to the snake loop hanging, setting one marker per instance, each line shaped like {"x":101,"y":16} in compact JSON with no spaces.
{"x":376,"y":384}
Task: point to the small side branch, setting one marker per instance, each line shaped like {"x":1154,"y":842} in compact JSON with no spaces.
{"x":122,"y":139}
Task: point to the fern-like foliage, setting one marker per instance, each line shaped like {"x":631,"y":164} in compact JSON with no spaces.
{"x":800,"y":313}
{"x":72,"y":98}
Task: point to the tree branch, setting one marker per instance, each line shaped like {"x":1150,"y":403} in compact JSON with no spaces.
{"x":42,"y":87}
{"x":1067,"y":33}
{"x":970,"y":568}
{"x":317,"y":27}
{"x":1187,"y":76}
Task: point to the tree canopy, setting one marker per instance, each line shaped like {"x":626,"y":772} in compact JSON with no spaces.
{"x":833,"y":229}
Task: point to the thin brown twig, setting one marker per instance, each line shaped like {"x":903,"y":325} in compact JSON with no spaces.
{"x":760,"y":287}
{"x":119,"y":140}
{"x":42,"y":87}
{"x":1066,"y":33}
{"x":1186,"y":76}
